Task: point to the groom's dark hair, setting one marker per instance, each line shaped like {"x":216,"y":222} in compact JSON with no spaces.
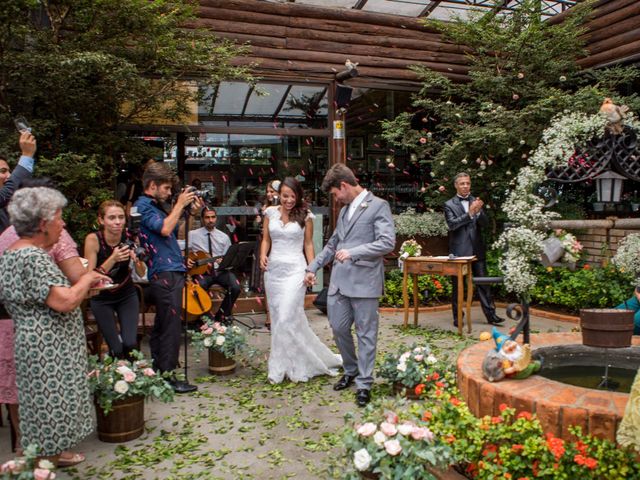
{"x":336,"y":175}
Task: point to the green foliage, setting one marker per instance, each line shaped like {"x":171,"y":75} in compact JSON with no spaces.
{"x":112,"y":379}
{"x":523,"y":72}
{"x":514,"y":446}
{"x":428,"y":224}
{"x":213,"y":335}
{"x":437,"y":286}
{"x":586,"y":287}
{"x":80,"y":71}
{"x":416,"y":366}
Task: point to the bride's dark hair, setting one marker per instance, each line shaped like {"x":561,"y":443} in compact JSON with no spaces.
{"x":300,"y":210}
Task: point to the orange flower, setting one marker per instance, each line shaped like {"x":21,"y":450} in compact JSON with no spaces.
{"x":587,"y":266}
{"x":419,"y":388}
{"x":438,"y":392}
{"x":426,"y":416}
{"x":496,"y":420}
{"x":440,"y":384}
{"x":503,"y":407}
{"x":507,"y":475}
{"x":517,"y":448}
{"x":450,"y":438}
{"x":523,"y":478}
{"x":526,"y":415}
{"x":454,"y":401}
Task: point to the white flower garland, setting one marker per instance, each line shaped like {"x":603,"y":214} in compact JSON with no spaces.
{"x":523,"y":242}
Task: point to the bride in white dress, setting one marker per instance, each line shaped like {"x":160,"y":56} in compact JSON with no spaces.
{"x":296,"y":352}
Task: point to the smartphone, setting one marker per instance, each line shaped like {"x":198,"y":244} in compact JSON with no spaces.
{"x":22,"y":125}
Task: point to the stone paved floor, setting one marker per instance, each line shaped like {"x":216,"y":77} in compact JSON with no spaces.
{"x":241,"y":427}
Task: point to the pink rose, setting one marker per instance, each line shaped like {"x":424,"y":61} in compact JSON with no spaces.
{"x":422,"y":433}
{"x":9,"y":466}
{"x":216,"y":325}
{"x":406,"y":428}
{"x":367,"y":429}
{"x":391,"y":417}
{"x":149,"y":372}
{"x":129,"y":377}
{"x":419,"y":358}
{"x":392,"y":447}
{"x":441,"y":188}
{"x":389,"y":429}
{"x":208,"y":331}
{"x":122,"y":363}
{"x":43,"y":474}
{"x":203,"y":327}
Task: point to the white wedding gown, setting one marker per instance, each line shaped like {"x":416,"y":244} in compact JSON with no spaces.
{"x":296,"y":352}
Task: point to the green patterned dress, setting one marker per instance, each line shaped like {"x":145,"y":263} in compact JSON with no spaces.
{"x":50,"y":353}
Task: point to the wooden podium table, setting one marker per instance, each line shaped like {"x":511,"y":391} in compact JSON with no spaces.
{"x":457,"y":267}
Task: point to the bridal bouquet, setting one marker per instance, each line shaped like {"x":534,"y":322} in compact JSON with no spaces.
{"x":112,"y":379}
{"x":392,"y":443}
{"x":409,"y":248}
{"x":227,"y":340}
{"x":416,"y":368}
{"x":28,"y":467}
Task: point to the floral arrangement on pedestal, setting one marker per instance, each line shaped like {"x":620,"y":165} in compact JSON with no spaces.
{"x":389,"y":443}
{"x":522,"y":243}
{"x":228,"y":340}
{"x":416,"y":369}
{"x":27,"y":467}
{"x":111,"y":380}
{"x":511,"y":445}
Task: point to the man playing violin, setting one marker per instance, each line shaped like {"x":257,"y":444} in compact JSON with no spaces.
{"x":215,"y":243}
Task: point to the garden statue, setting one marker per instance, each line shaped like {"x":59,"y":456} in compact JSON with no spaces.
{"x":614,"y":114}
{"x":509,"y":359}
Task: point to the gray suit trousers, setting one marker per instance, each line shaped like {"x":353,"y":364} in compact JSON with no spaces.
{"x":343,"y":313}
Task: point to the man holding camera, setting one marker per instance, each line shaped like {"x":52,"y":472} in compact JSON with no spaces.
{"x":215,"y":243}
{"x":158,"y":233}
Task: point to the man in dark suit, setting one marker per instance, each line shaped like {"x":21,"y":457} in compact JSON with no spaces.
{"x":465,"y":218}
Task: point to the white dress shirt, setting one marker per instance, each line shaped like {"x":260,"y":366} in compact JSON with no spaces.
{"x":198,"y":241}
{"x":353,"y":206}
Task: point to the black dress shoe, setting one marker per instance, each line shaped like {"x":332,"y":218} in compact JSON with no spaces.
{"x":495,"y":320}
{"x":363,"y":397}
{"x":344,"y":382}
{"x":180,"y":386}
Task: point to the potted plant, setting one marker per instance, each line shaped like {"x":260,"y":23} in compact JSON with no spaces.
{"x":414,"y":371}
{"x":28,"y":467}
{"x":391,"y":443}
{"x":428,"y":229}
{"x":223,"y":343}
{"x":119,"y":388}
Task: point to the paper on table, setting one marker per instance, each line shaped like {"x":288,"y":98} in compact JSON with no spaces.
{"x":446,"y":257}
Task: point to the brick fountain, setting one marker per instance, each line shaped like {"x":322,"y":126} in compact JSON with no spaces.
{"x":557,"y":405}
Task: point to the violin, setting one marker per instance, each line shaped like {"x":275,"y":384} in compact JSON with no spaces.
{"x":198,"y":300}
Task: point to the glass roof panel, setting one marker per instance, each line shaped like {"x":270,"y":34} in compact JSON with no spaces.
{"x":230,"y":98}
{"x":267,"y":102}
{"x":407,"y":8}
{"x":305,"y":101}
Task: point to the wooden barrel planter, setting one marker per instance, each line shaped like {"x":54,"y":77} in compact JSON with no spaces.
{"x":219,"y":364}
{"x":606,"y":327}
{"x":408,"y":392}
{"x":369,"y":475}
{"x":124,"y":422}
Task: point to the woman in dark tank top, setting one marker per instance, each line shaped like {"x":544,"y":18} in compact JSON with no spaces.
{"x":108,"y":253}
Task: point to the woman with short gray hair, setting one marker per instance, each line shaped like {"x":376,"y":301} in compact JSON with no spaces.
{"x":50,"y":349}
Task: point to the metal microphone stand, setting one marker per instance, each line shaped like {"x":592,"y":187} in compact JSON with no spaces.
{"x":187,"y":386}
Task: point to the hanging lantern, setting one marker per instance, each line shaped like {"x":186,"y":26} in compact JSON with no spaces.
{"x":609,"y":186}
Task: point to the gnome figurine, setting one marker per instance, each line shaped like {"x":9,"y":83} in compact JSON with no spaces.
{"x":509,"y":359}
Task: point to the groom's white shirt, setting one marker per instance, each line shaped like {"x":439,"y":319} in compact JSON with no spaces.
{"x":353,"y":206}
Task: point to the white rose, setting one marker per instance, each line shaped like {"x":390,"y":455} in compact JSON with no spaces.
{"x":121,"y":386}
{"x":379,"y":438}
{"x":367,"y":429}
{"x":393,"y":447}
{"x":236,"y":329}
{"x":220,"y":340}
{"x":402,"y":367}
{"x":404,"y":356}
{"x":406,"y":428}
{"x":46,"y":464}
{"x":123,"y":369}
{"x":362,"y":460}
{"x":208,"y":342}
{"x":431,"y":359}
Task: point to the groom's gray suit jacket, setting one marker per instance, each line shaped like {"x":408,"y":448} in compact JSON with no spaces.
{"x":368,"y":236}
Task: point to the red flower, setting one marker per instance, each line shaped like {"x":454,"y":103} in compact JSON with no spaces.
{"x":454,"y":401}
{"x":435,"y":376}
{"x":555,"y":446}
{"x":523,"y":478}
{"x":419,"y":388}
{"x":503,"y":407}
{"x":450,"y":438}
{"x":490,"y":449}
{"x":438,"y":392}
{"x":517,"y":448}
{"x":591,"y":463}
{"x":496,"y":420}
{"x":581,"y":447}
{"x":439,"y":384}
{"x":534,"y":468}
{"x":526,"y":415}
{"x":426,"y":416}
{"x":587,"y":266}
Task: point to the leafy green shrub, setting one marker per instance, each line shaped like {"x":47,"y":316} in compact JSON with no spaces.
{"x":428,"y":224}
{"x":437,"y":286}
{"x":586,"y":287}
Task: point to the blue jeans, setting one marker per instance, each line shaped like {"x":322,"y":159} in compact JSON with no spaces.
{"x":632,"y":304}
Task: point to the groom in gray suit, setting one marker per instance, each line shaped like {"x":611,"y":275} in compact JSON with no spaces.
{"x":364,"y":234}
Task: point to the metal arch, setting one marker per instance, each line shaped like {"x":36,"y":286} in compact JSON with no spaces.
{"x":626,"y":156}
{"x":585,"y":163}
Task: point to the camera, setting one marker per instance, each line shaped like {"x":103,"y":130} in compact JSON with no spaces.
{"x":133,"y":228}
{"x":205,"y":195}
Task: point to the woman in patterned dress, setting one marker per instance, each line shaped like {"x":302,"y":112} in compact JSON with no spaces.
{"x":50,"y":351}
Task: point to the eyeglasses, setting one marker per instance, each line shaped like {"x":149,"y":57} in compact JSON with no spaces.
{"x":4,"y":170}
